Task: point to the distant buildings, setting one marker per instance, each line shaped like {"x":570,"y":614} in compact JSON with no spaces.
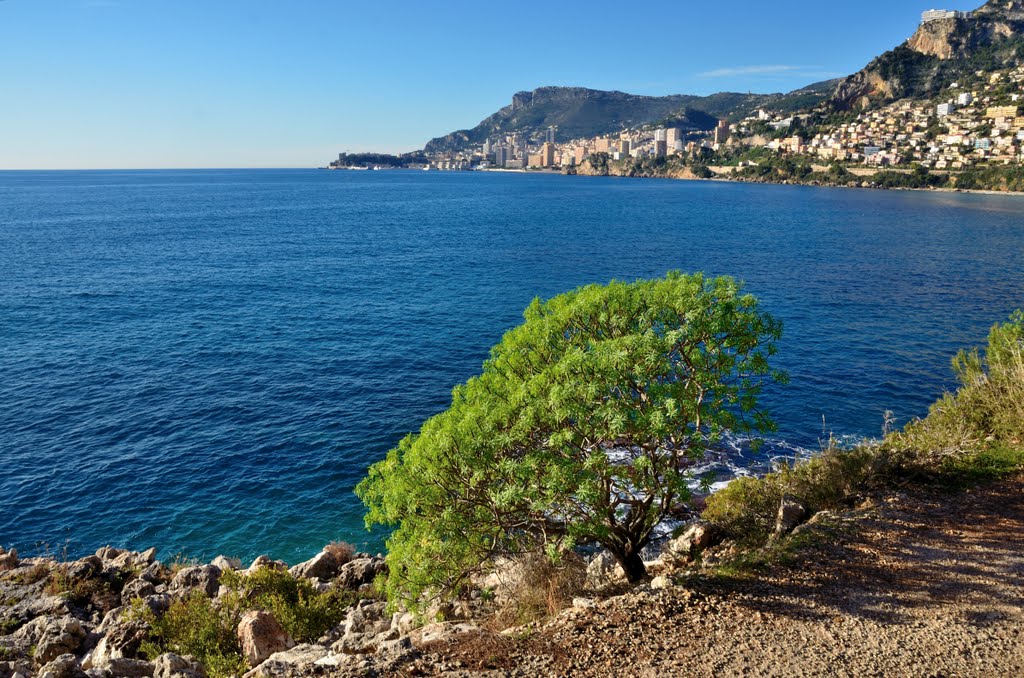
{"x":942,"y":110}
{"x":937,"y":14}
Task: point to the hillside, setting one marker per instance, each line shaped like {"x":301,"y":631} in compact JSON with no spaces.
{"x":939,"y":53}
{"x":580,"y":112}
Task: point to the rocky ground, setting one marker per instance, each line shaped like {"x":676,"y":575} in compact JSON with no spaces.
{"x":919,"y":583}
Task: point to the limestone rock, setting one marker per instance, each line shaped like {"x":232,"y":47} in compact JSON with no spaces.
{"x":603,"y":570}
{"x":260,"y":636}
{"x":121,"y":641}
{"x":224,"y":563}
{"x":661,"y":582}
{"x":51,"y":636}
{"x":136,"y":588}
{"x":290,"y":662}
{"x":129,"y":668}
{"x":791,"y":513}
{"x":174,"y":666}
{"x":695,"y":539}
{"x":8,"y":559}
{"x":442,"y":631}
{"x":64,"y":666}
{"x":264,"y":561}
{"x":202,"y":577}
{"x":366,"y":626}
{"x":359,"y":571}
{"x":321,"y":566}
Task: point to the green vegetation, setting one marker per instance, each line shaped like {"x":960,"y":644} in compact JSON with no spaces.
{"x":205,"y":629}
{"x":579,"y":429}
{"x":972,"y":435}
{"x":981,"y":425}
{"x":998,"y":178}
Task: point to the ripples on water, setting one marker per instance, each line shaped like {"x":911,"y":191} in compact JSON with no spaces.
{"x":208,"y":361}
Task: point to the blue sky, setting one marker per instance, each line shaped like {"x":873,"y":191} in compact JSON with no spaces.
{"x":255,"y":83}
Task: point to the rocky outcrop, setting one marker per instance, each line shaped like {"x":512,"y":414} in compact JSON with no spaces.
{"x":203,"y":578}
{"x":791,"y":513}
{"x":173,"y":666}
{"x":260,"y":635}
{"x":937,"y":54}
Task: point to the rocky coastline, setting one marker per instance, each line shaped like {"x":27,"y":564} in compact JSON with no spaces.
{"x":79,"y":618}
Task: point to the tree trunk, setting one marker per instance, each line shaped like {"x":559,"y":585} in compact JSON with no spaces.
{"x":633,"y":565}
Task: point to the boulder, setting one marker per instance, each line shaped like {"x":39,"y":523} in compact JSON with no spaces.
{"x":321,"y":566}
{"x":603,"y":570}
{"x":85,"y":568}
{"x":403,"y":622}
{"x":129,"y":668}
{"x":121,"y":641}
{"x":442,"y":631}
{"x":265,"y":561}
{"x":174,"y":666}
{"x":261,"y":636}
{"x":366,"y":626}
{"x":64,"y":666}
{"x":296,"y":661}
{"x":203,"y":578}
{"x":695,"y":539}
{"x":155,"y":573}
{"x":137,"y":588}
{"x":791,"y":513}
{"x":225,"y":564}
{"x":51,"y":637}
{"x":661,"y":582}
{"x":8,"y":559}
{"x":359,"y":571}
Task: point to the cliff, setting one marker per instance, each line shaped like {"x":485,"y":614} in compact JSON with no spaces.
{"x":938,"y":53}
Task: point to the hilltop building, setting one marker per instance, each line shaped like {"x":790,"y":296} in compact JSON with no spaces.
{"x":937,"y":14}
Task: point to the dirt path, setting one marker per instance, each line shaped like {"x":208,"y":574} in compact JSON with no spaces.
{"x":923,"y":585}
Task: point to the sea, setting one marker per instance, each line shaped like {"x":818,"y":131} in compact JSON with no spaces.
{"x":208,"y":361}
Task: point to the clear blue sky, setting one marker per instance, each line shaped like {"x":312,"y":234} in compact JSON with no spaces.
{"x":255,"y":83}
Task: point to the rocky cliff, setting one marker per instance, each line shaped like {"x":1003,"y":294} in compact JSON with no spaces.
{"x":939,"y":53}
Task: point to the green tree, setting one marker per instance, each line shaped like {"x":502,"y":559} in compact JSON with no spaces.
{"x":580,"y":429}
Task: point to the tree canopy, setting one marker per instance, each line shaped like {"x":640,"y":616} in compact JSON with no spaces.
{"x":580,"y":429}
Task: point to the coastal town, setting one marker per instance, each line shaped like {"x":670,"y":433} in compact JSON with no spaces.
{"x":968,"y":125}
{"x":975,"y":123}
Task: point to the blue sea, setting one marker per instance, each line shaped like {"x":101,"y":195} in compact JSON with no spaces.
{"x":208,"y":361}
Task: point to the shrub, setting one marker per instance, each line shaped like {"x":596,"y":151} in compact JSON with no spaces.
{"x":341,"y":550}
{"x":302,"y":611}
{"x":986,"y":411}
{"x":747,"y":507}
{"x":197,"y":627}
{"x":207,"y":629}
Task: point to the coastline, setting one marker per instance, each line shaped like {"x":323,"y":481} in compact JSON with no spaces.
{"x":739,"y":180}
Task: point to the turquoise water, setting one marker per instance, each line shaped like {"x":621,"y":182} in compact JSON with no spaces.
{"x":207,"y":361}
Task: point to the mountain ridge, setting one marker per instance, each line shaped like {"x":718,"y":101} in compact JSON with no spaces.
{"x":584,"y":112}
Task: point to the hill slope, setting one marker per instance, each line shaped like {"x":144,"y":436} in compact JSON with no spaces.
{"x":939,"y":53}
{"x":580,"y":112}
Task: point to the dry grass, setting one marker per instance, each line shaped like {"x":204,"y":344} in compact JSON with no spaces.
{"x":540,"y":588}
{"x":341,"y":550}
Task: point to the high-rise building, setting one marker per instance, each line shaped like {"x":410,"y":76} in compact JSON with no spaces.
{"x":501,"y":155}
{"x":722,"y":131}
{"x":661,"y":134}
{"x":547,"y":154}
{"x":624,"y":147}
{"x":660,"y":147}
{"x":550,"y":138}
{"x":673,"y":135}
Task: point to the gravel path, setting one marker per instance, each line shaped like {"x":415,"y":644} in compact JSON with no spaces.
{"x":924,"y":584}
